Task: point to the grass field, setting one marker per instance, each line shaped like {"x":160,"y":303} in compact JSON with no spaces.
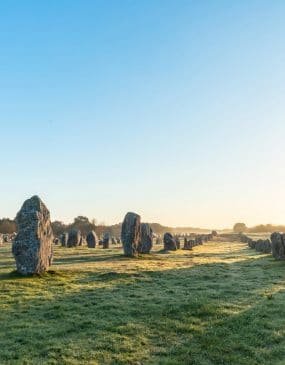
{"x":222,"y":303}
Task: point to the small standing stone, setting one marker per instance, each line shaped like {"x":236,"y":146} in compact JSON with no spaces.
{"x":64,"y":239}
{"x":92,"y":239}
{"x":106,"y":240}
{"x":169,"y":242}
{"x":74,"y":238}
{"x":278,"y":246}
{"x":145,"y":244}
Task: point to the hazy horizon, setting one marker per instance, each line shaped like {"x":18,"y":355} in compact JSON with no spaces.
{"x":171,"y":109}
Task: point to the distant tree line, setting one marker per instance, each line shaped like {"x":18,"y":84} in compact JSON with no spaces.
{"x":261,"y":228}
{"x":85,"y":225}
{"x":7,"y":226}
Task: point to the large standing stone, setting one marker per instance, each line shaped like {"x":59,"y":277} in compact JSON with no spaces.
{"x":74,"y":238}
{"x":169,"y":242}
{"x":92,"y":239}
{"x":278,"y":246}
{"x":145,"y":244}
{"x":131,"y":234}
{"x":32,"y":247}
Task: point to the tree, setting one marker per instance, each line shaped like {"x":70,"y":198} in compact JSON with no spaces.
{"x":58,"y":228}
{"x":240,"y":227}
{"x":7,"y":226}
{"x":83,"y":224}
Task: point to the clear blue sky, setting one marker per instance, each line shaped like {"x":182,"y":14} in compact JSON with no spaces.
{"x":173,"y":109}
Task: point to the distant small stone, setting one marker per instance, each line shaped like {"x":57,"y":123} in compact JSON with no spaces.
{"x":188,"y":244}
{"x":106,"y":240}
{"x":278,"y":245}
{"x":74,"y":238}
{"x":198,"y":240}
{"x":92,"y":239}
{"x":169,"y":242}
{"x":64,"y":239}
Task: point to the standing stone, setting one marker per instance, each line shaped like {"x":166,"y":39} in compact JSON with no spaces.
{"x":278,"y":246}
{"x":259,"y":245}
{"x":92,"y":239}
{"x":64,"y":239}
{"x":131,"y":234}
{"x":188,"y":244}
{"x":82,"y":241}
{"x":169,"y":242}
{"x":74,"y":238}
{"x":199,"y":240}
{"x":32,"y":247}
{"x":145,"y":244}
{"x":267,"y":246}
{"x":177,"y":241}
{"x":106,"y":240}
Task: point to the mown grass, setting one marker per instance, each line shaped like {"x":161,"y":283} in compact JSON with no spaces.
{"x":219,"y":304}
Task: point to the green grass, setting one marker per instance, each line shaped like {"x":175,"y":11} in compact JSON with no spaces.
{"x":222,"y":303}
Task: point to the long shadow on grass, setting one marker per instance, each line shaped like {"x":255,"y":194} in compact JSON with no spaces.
{"x":221,"y":313}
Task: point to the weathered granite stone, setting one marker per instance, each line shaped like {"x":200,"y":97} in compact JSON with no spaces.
{"x":32,"y":247}
{"x":278,"y":245}
{"x":131,"y":234}
{"x":267,"y":248}
{"x":106,"y":240}
{"x":186,"y":244}
{"x":145,"y":244}
{"x":74,"y":238}
{"x":198,"y":240}
{"x":169,"y":242}
{"x":259,"y":245}
{"x":92,"y":239}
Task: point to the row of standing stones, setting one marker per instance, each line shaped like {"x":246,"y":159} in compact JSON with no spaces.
{"x":74,"y":238}
{"x":33,"y":245}
{"x":274,"y":245}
